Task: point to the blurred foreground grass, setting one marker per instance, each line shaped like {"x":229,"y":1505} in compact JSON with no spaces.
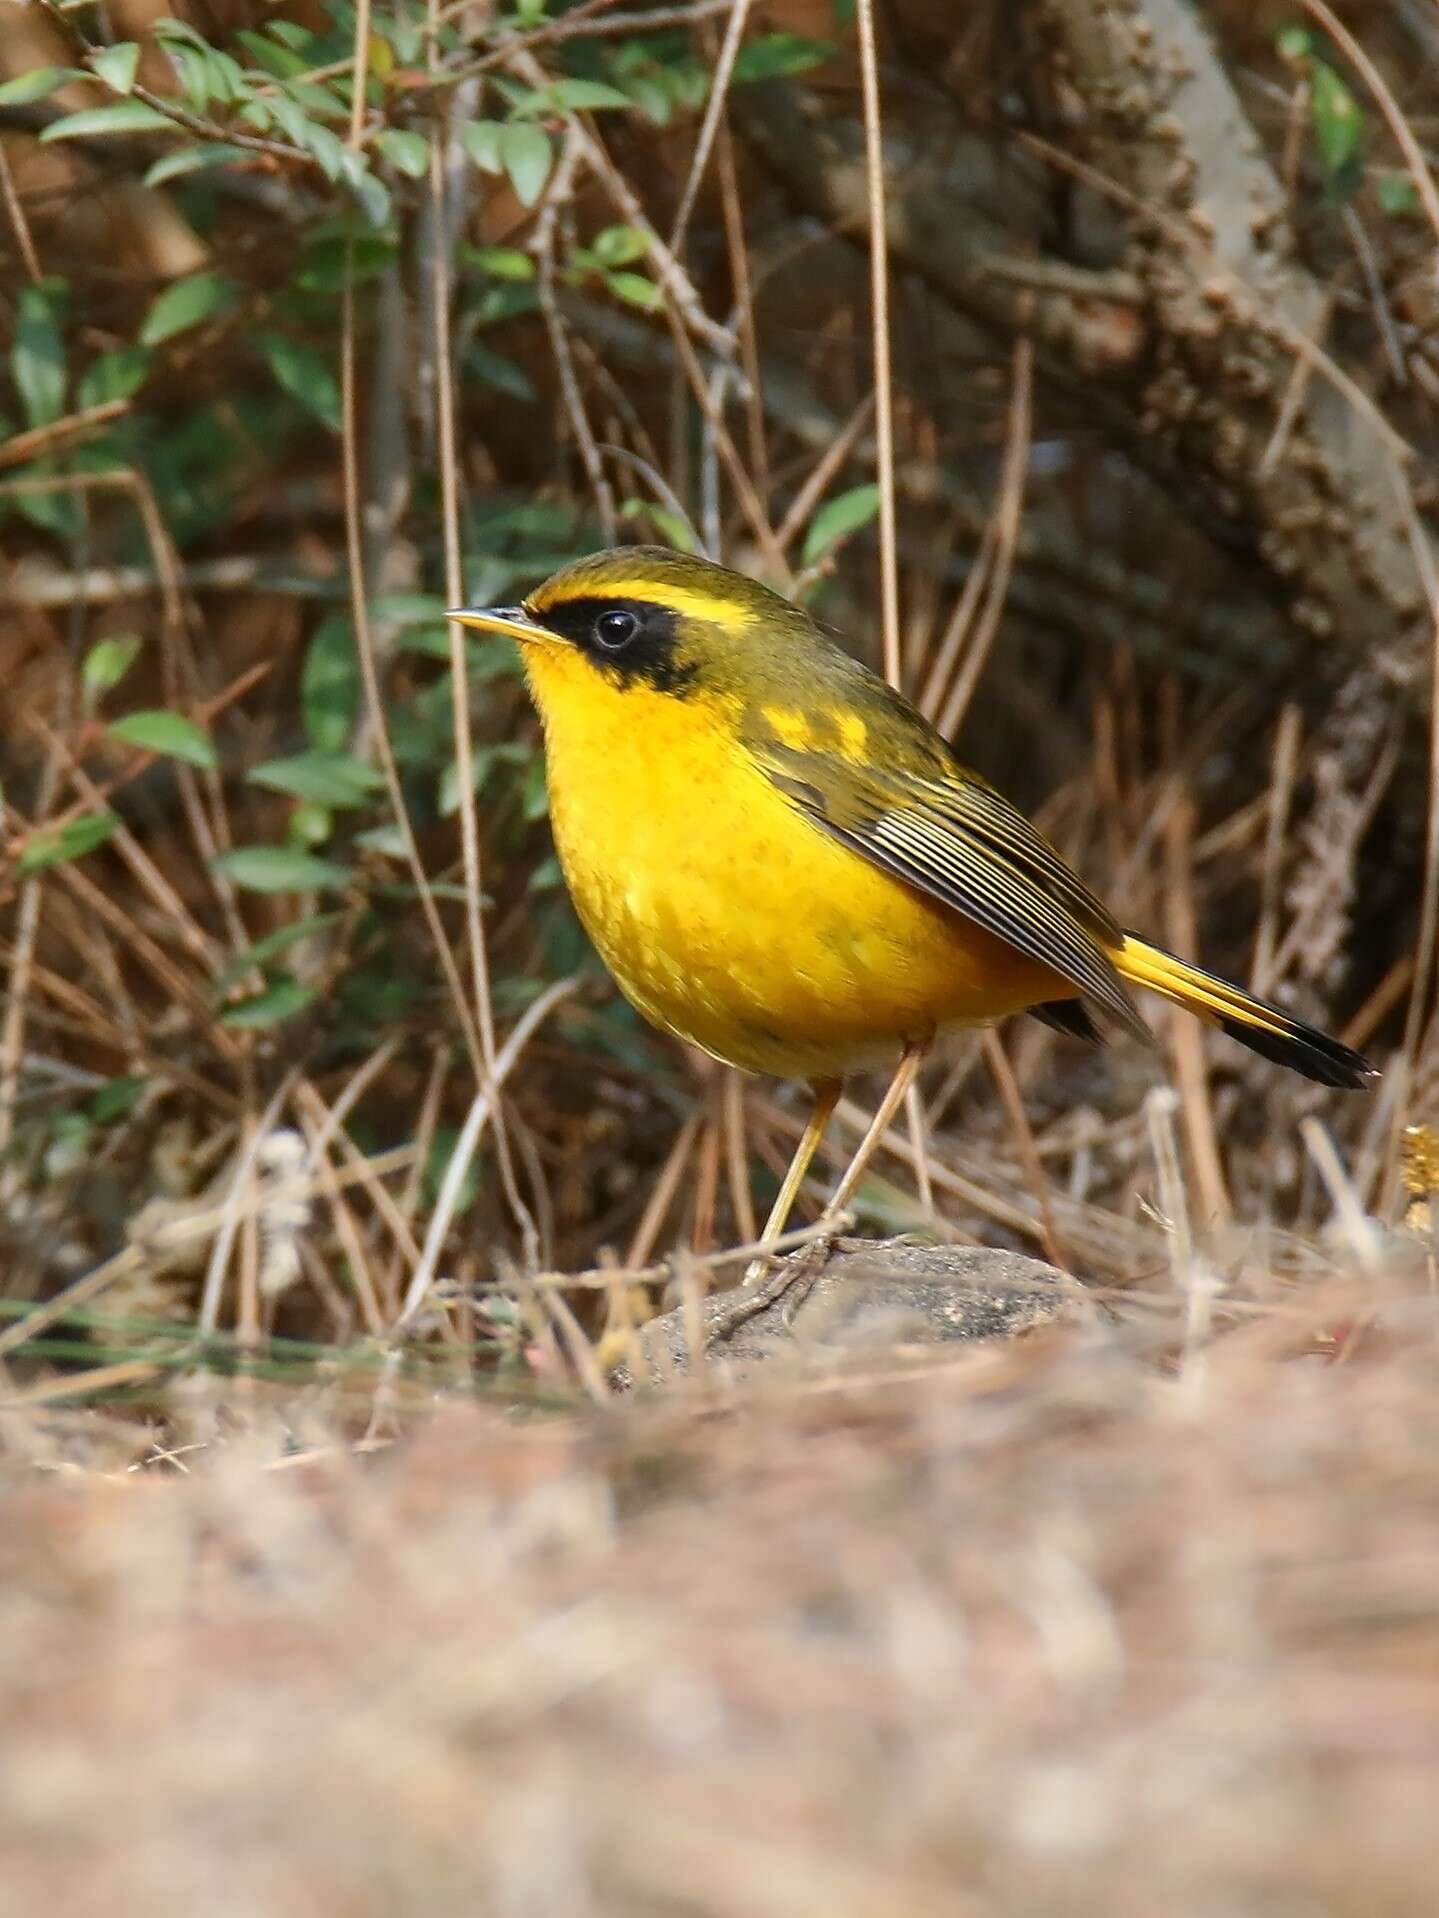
{"x":1116,"y":1618}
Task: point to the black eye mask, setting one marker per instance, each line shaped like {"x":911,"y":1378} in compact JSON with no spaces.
{"x":631,"y":641}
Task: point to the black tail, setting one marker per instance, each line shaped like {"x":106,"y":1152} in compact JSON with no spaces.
{"x":1266,"y":1029}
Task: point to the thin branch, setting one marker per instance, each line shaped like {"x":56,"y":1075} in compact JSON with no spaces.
{"x":370,"y":676}
{"x":468,"y":1140}
{"x":560,"y":189}
{"x":709,"y":126}
{"x":1008,"y":515}
{"x":879,"y":298}
{"x":446,"y":445}
{"x":21,"y":447}
{"x":29,"y":258}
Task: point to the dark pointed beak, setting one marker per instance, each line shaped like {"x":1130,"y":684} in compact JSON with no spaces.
{"x":511,"y":620}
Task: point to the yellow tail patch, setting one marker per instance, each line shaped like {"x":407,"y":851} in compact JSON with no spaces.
{"x":1266,"y":1029}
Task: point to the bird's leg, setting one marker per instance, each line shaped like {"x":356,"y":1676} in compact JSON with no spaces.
{"x":909,"y":1064}
{"x":803,"y":1269}
{"x":826,"y":1097}
{"x":749,"y":1301}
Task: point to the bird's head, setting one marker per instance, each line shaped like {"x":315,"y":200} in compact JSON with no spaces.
{"x":645,"y":618}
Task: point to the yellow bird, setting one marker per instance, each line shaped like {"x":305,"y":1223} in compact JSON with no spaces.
{"x":784,"y":864}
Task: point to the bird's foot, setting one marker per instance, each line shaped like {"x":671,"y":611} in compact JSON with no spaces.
{"x":791,"y":1280}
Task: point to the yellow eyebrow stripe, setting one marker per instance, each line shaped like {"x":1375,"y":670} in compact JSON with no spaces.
{"x":712,"y":607}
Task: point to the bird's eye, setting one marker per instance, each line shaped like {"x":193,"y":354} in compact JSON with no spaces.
{"x":616,"y":629}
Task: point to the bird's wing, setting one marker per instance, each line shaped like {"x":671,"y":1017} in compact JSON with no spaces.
{"x":954,"y":837}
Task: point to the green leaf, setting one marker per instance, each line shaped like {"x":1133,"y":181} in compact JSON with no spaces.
{"x":371,"y":192}
{"x":335,"y":780}
{"x":670,"y":524}
{"x":157,"y":731}
{"x":116,"y":65}
{"x":587,"y":96}
{"x":107,"y":663}
{"x":185,"y":304}
{"x":497,"y":372}
{"x":442,"y":1150}
{"x":255,"y":958}
{"x":482,"y":139}
{"x":330,"y":684}
{"x":332,"y":258}
{"x":173,"y":33}
{"x":38,"y":84}
{"x":276,"y":58}
{"x":57,"y":513}
{"x":282,"y":1000}
{"x":278,"y":869}
{"x":432,"y":642}
{"x":503,"y":302}
{"x":121,"y":116}
{"x":173,"y":166}
{"x":652,"y":98}
{"x":116,"y":1099}
{"x":388,"y":840}
{"x":780,"y":56}
{"x":500,"y":262}
{"x":484,"y":759}
{"x":527,"y":155}
{"x":837,"y":519}
{"x":534,"y":790}
{"x":117,"y":375}
{"x":1396,"y":193}
{"x":37,"y":356}
{"x":620,"y":245}
{"x":407,"y":153}
{"x":636,"y":290}
{"x":193,"y":71}
{"x":305,"y":376}
{"x":310,"y":825}
{"x":1338,"y":122}
{"x":407,"y":609}
{"x":53,"y":845}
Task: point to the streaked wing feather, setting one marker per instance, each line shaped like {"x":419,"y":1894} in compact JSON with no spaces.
{"x":983,"y":810}
{"x":973,"y":859}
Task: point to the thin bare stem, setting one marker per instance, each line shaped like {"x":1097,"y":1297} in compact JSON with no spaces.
{"x":1007,"y":1086}
{"x":360,"y":61}
{"x":370,"y":677}
{"x":238,"y":1205}
{"x":561,"y":189}
{"x":17,"y":994}
{"x":1007,"y":522}
{"x":476,"y":1119}
{"x":21,"y":447}
{"x":910,"y":1061}
{"x":29,"y":258}
{"x":879,"y":297}
{"x":1186,"y":1036}
{"x":459,"y":664}
{"x":919,"y":1145}
{"x":709,"y":126}
{"x":816,"y":482}
{"x":1282,"y":775}
{"x":1393,"y":113}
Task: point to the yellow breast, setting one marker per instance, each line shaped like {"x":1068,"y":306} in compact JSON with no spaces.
{"x":728,"y":918}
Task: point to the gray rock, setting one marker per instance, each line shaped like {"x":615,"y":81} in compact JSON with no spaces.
{"x":870,"y":1295}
